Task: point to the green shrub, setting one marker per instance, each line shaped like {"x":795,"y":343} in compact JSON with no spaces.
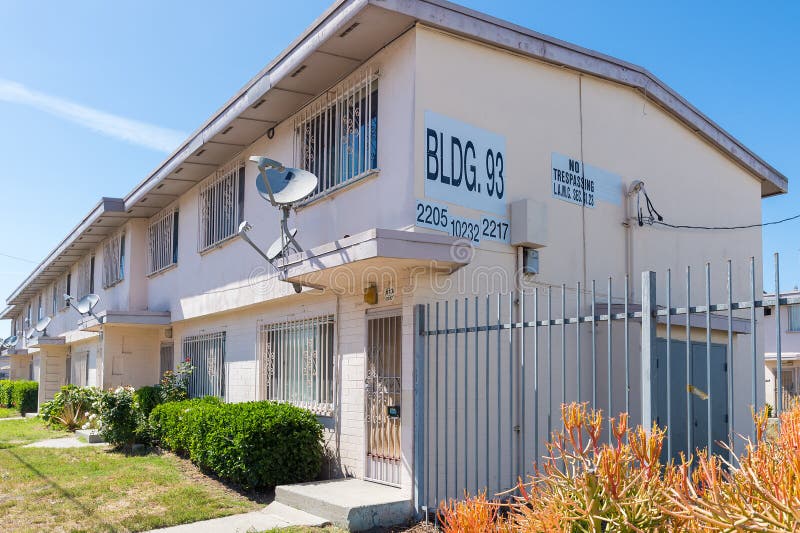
{"x":25,"y":396}
{"x":147,"y":398}
{"x":6,"y":388}
{"x":72,"y":408}
{"x":175,"y":384}
{"x":119,"y":417}
{"x":254,"y":444}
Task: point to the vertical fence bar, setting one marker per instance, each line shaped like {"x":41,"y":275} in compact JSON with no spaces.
{"x":689,"y":410}
{"x":455,"y":395}
{"x":446,"y":399}
{"x":729,"y":354}
{"x":428,"y":417}
{"x":578,"y":341}
{"x":610,"y":366}
{"x":522,"y":460}
{"x":563,"y":347}
{"x":778,"y":356}
{"x":477,"y":432}
{"x":669,"y":364}
{"x":465,"y":392}
{"x":536,"y":373}
{"x":436,"y":410}
{"x":486,"y":394}
{"x":753,"y":347}
{"x":648,"y":344}
{"x":709,"y":437}
{"x":549,"y":360}
{"x":498,"y":431}
{"x":627,"y":347}
{"x":511,"y":425}
{"x":594,"y":345}
{"x":420,"y":400}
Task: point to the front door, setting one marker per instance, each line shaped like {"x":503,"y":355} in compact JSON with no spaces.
{"x":382,"y":394}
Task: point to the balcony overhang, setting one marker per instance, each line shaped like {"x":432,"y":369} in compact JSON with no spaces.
{"x":349,"y":263}
{"x":142,"y":319}
{"x":38,"y":342}
{"x":11,"y":352}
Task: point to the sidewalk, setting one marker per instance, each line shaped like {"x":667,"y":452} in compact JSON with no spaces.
{"x":272,"y":516}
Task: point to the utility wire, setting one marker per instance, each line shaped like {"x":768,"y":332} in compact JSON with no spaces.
{"x":17,"y":258}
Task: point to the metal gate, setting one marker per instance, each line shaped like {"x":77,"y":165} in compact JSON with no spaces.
{"x":491,"y":372}
{"x":206,"y":353}
{"x":167,"y":356}
{"x":383,"y":388}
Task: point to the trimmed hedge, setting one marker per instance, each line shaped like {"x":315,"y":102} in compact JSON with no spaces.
{"x":24,"y":395}
{"x":254,"y":444}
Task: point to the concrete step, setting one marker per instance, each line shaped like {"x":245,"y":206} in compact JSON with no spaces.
{"x":352,"y":504}
{"x":31,"y":415}
{"x":293,"y":516}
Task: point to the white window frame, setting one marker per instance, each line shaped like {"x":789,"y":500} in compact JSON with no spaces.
{"x":793,"y":312}
{"x":296,"y":362}
{"x":162,"y":241}
{"x":221,"y":206}
{"x":114,"y":260}
{"x":206,"y":352}
{"x":334,"y":125}
{"x":83,"y":284}
{"x":62,"y":288}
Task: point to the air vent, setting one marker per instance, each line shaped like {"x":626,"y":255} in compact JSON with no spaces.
{"x":179,"y":170}
{"x":298,"y":71}
{"x":200,"y":152}
{"x":168,"y":333}
{"x":159,"y":186}
{"x":258,"y":104}
{"x":349,"y":29}
{"x":226,"y":130}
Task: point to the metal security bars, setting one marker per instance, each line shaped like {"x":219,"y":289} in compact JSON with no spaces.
{"x":221,"y":206}
{"x":113,"y":260}
{"x":83,"y":285}
{"x":207,"y":354}
{"x":162,"y":242}
{"x":492,"y":372}
{"x":336,"y":137}
{"x":296,"y":363}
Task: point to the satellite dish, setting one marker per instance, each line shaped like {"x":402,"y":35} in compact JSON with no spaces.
{"x":10,"y":341}
{"x":87,"y":303}
{"x":285,"y":187}
{"x":280,"y":245}
{"x":39,"y":327}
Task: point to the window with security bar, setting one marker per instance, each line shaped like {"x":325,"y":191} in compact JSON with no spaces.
{"x":85,"y":277}
{"x":794,"y":317}
{"x":206,"y":353}
{"x":221,"y":206}
{"x":337,"y":135}
{"x":114,"y":260}
{"x":296,"y":363}
{"x":162,"y":242}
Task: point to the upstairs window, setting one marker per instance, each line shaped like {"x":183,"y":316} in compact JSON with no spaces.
{"x":55,"y":297}
{"x":794,"y":317}
{"x":40,"y":309}
{"x":296,"y":363}
{"x":336,"y":137}
{"x":62,"y":287}
{"x":221,"y":206}
{"x":114,"y":260}
{"x":162,"y":242}
{"x":85,"y":278}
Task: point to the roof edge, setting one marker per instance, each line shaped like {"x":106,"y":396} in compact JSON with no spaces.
{"x":475,"y":25}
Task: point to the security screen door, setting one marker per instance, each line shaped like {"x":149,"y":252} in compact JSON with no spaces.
{"x":382,"y":394}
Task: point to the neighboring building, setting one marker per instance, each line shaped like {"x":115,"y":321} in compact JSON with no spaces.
{"x":402,"y":108}
{"x":790,"y":350}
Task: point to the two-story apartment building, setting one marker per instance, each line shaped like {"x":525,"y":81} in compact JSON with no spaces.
{"x":425,"y":122}
{"x":790,"y":351}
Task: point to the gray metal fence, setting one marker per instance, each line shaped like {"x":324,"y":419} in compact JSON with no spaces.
{"x":492,"y":372}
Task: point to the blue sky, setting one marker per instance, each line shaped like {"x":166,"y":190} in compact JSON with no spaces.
{"x":94,"y":93}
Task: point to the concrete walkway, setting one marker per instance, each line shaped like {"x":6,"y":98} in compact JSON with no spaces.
{"x":63,"y":442}
{"x":12,"y":418}
{"x":274,"y":515}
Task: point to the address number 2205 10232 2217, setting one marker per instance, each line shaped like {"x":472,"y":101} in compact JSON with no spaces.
{"x":436,"y":216}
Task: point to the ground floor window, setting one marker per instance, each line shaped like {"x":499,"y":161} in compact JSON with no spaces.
{"x":206,"y":353}
{"x":296,"y":362}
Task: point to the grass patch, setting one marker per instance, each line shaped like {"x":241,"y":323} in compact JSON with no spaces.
{"x":94,"y":489}
{"x":15,"y":433}
{"x":7,"y":412}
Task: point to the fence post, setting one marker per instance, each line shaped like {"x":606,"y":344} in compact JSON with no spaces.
{"x":420,"y":490}
{"x":648,"y":344}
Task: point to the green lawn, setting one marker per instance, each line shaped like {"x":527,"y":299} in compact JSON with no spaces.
{"x":20,"y":432}
{"x":6,"y":412}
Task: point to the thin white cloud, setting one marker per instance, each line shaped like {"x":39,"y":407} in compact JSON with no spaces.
{"x":132,"y":131}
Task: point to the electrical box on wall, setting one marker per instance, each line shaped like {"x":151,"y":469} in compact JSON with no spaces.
{"x":528,"y":223}
{"x":530,"y":261}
